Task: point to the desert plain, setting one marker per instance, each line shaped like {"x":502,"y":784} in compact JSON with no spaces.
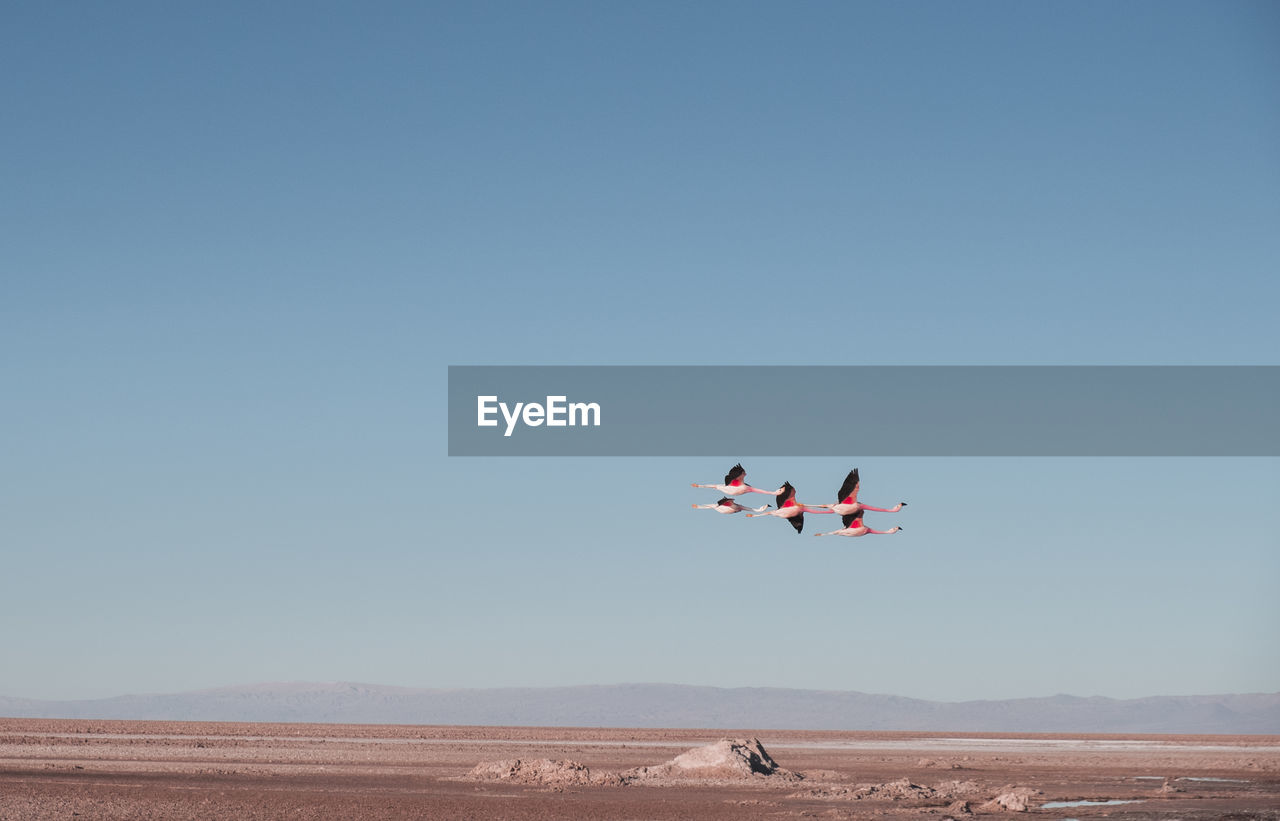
{"x":89,"y":769}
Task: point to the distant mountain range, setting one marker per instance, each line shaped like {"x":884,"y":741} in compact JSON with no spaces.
{"x":670,"y":705}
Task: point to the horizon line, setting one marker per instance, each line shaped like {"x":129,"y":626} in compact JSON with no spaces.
{"x":301,"y":683}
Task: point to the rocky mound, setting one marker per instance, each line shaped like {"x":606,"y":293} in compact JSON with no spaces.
{"x":541,"y":771}
{"x":733,"y":759}
{"x":747,"y":760}
{"x":1014,"y":799}
{"x":729,"y":759}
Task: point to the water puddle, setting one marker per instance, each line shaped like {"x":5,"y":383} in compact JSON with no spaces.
{"x":1057,"y":805}
{"x":1217,"y":780}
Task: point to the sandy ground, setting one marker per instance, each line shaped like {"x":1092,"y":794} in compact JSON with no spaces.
{"x":160,"y":770}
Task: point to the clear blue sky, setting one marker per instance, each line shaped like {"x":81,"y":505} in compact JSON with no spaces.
{"x":241,"y":245}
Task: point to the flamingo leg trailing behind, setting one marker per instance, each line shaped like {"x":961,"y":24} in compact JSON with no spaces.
{"x":727,"y":505}
{"x":735,"y":483}
{"x":789,"y":508}
{"x":853,"y":526}
{"x":847,"y":498}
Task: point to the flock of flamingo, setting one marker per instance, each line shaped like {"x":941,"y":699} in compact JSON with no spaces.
{"x":846,"y":504}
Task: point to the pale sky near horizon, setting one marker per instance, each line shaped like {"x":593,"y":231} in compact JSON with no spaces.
{"x":242,"y":245}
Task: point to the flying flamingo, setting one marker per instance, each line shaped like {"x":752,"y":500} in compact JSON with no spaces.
{"x":847,"y":498}
{"x":735,"y":483}
{"x":727,"y":505}
{"x":790,"y":509}
{"x":853,"y":526}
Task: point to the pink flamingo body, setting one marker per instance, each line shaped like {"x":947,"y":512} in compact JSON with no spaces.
{"x":789,"y":508}
{"x":847,"y":498}
{"x":853,"y":526}
{"x":735,"y":483}
{"x":727,"y":505}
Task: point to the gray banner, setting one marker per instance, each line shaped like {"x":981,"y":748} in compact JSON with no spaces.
{"x":872,"y":410}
